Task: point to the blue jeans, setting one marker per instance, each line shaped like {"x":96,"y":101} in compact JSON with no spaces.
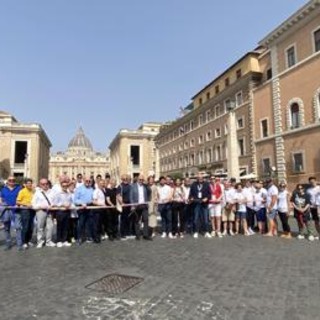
{"x":166,"y":217}
{"x":201,"y":216}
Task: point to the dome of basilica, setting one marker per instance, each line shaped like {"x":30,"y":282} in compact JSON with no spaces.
{"x":80,"y":141}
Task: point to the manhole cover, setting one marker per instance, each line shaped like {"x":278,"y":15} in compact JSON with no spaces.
{"x":114,"y":283}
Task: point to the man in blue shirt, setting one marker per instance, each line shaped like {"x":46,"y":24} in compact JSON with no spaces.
{"x":83,"y":197}
{"x":9,"y":195}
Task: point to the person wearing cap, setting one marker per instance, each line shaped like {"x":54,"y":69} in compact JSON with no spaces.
{"x":272,"y":207}
{"x":283,"y":209}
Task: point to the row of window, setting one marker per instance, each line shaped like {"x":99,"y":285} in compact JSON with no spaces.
{"x":214,"y":154}
{"x":297,"y":163}
{"x":295,"y":111}
{"x":291,"y":52}
{"x":217,"y":87}
{"x":205,"y":117}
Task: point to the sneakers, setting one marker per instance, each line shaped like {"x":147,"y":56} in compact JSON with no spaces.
{"x":59,"y":244}
{"x":66,"y":244}
{"x":224,"y":233}
{"x":50,"y":244}
{"x":171,"y":236}
{"x":251,"y":232}
{"x":213,"y":234}
{"x":196,"y":235}
{"x":316,"y":238}
{"x":219,"y":234}
{"x":300,"y":237}
{"x":24,"y":246}
{"x":40,"y":244}
{"x":30,"y":244}
{"x":231,"y":232}
{"x":164,"y":235}
{"x":73,"y":240}
{"x":207,"y":235}
{"x":311,"y":238}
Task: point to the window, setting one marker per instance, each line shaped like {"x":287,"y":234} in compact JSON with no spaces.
{"x":20,"y":152}
{"x":208,"y":115}
{"x":192,"y":143}
{"x":200,"y":157}
{"x":266,"y":165}
{"x":294,"y":113}
{"x":192,"y":159}
{"x":241,"y":147}
{"x":186,"y":161}
{"x":316,"y":35}
{"x":186,"y":145}
{"x":180,"y":163}
{"x":218,"y":110}
{"x":208,"y":136}
{"x":298,"y":162}
{"x":218,"y":132}
{"x":227,"y":104}
{"x":209,"y":155}
{"x":291,"y":57}
{"x":200,"y":139}
{"x":216,"y":89}
{"x":264,"y":128}
{"x":200,"y":120}
{"x":218,"y":153}
{"x":186,"y":127}
{"x":180,"y":146}
{"x":191,"y":125}
{"x":135,"y":155}
{"x":269,"y":74}
{"x":240,"y":123}
{"x":227,"y":82}
{"x":200,"y":101}
{"x":238,"y":73}
{"x":208,"y":95}
{"x":239,"y":99}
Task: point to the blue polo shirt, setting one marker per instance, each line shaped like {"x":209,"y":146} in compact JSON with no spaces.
{"x":9,"y":196}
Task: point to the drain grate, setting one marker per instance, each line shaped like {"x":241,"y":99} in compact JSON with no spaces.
{"x":114,"y":283}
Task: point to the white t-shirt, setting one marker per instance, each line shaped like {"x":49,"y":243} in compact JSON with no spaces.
{"x":259,"y":197}
{"x":314,"y":194}
{"x":164,"y":193}
{"x":99,"y":197}
{"x":248,"y":193}
{"x":272,"y":191}
{"x":240,"y":197}
{"x":283,"y":201}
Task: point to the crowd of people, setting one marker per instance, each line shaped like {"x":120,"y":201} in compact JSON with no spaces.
{"x":91,"y":210}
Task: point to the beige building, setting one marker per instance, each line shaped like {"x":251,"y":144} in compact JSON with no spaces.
{"x":217,"y":126}
{"x":79,"y":158}
{"x":24,"y":148}
{"x":134,"y":151}
{"x":287,"y":103}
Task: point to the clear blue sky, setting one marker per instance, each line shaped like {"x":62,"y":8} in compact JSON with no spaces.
{"x":111,"y":64}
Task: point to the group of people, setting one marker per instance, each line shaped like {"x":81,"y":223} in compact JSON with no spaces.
{"x":92,"y":210}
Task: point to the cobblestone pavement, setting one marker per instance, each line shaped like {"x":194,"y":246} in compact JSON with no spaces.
{"x":230,"y":278}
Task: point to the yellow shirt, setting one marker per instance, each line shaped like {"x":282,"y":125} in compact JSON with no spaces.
{"x":24,"y":197}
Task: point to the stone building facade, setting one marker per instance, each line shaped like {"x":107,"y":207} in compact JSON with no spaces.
{"x":287,"y":103}
{"x":79,"y":158}
{"x":133,"y":151}
{"x":24,"y":148}
{"x":199,"y":140}
{"x":277,"y":120}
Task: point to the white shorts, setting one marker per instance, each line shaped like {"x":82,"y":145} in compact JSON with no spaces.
{"x":215,"y":210}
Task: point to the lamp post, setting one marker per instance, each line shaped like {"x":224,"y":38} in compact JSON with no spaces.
{"x":232,"y":143}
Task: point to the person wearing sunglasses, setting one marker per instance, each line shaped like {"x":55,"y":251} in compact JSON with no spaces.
{"x":9,"y":195}
{"x":300,"y":200}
